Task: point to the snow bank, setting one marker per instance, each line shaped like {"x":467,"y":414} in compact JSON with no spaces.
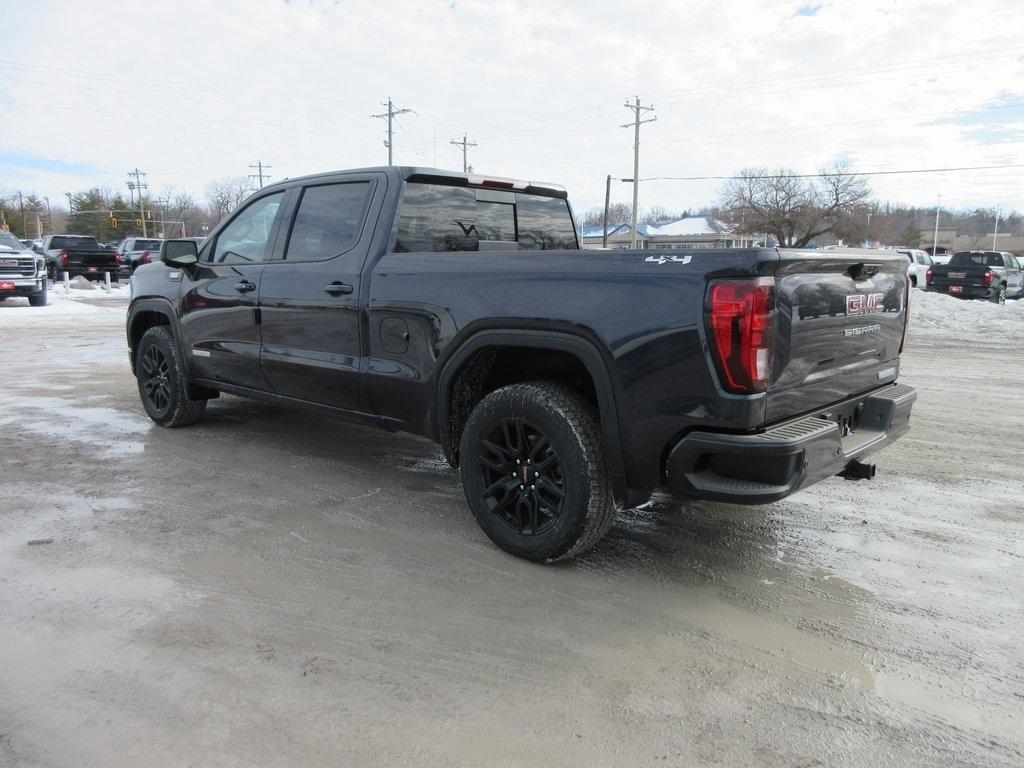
{"x":941,"y":317}
{"x":64,"y":306}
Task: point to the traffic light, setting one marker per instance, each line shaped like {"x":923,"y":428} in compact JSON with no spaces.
{"x":113,"y":222}
{"x":138,"y":222}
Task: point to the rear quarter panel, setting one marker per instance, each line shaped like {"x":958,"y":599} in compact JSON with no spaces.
{"x":644,"y":317}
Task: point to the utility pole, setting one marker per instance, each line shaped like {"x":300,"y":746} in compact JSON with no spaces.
{"x":49,"y":216}
{"x":995,"y":231}
{"x":935,"y":237}
{"x":465,"y":144}
{"x":140,"y":185}
{"x":637,"y":111}
{"x":391,"y":114}
{"x":24,"y":221}
{"x":607,"y":200}
{"x":259,"y":167}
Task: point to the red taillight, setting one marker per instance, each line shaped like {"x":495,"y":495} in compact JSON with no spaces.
{"x":739,"y":319}
{"x":145,"y":257}
{"x":987,"y":277}
{"x":65,"y":258}
{"x":928,"y":276}
{"x":117,"y":258}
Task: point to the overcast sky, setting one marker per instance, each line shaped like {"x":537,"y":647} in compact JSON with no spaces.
{"x":190,"y":91}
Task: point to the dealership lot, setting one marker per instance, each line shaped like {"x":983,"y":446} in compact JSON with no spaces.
{"x":275,"y":588}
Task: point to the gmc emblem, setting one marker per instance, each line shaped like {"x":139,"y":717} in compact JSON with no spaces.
{"x":8,"y":262}
{"x":861,"y":304}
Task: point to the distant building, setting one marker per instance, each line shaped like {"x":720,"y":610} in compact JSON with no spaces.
{"x":688,"y":232}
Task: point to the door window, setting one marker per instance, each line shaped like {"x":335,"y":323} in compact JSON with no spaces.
{"x":329,"y":220}
{"x":245,"y":239}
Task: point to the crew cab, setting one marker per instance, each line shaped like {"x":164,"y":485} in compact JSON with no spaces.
{"x":992,"y":275}
{"x":78,"y":255}
{"x":918,"y":270}
{"x":21,"y":272}
{"x":564,"y":383}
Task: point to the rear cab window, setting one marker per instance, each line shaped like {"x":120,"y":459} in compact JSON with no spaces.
{"x":439,"y":217}
{"x":63,"y":241}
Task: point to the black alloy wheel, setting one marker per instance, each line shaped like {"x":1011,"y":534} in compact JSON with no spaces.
{"x":534,"y":470}
{"x":521,"y":477}
{"x":154,"y":378}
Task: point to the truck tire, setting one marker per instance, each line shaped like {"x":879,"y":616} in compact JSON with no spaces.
{"x":160,"y":372}
{"x":999,"y":297}
{"x":535,"y":473}
{"x":38,"y":299}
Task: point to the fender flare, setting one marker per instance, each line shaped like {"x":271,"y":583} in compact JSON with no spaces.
{"x":164,"y":307}
{"x":580,"y":347}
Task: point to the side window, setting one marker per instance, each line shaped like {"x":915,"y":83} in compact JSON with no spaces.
{"x":329,"y":221}
{"x":545,"y":223}
{"x":995,"y":260}
{"x":244,"y":240}
{"x":438,"y":218}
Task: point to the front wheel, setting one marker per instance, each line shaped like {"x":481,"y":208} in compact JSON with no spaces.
{"x":38,"y":299}
{"x":161,"y":376}
{"x":534,"y":471}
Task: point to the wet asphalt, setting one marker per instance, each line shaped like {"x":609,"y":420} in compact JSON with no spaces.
{"x":273,"y":588}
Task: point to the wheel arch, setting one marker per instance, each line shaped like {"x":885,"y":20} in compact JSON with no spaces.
{"x":152,"y":312}
{"x":450,"y":416}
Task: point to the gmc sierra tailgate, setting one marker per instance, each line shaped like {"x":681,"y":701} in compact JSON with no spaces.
{"x":840,"y":317}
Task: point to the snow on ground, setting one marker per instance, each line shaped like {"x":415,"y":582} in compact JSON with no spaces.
{"x":939,"y":316}
{"x":81,"y":301}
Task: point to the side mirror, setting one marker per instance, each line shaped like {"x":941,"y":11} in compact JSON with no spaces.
{"x":179,"y":253}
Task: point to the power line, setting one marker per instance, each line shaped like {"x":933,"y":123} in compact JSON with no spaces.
{"x":259,"y":167}
{"x":842,"y":173}
{"x":464,"y":144}
{"x":390,"y":115}
{"x":637,"y":111}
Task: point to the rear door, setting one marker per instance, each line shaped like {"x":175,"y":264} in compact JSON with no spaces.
{"x":310,"y":296}
{"x":839,"y":324}
{"x":219,"y":297}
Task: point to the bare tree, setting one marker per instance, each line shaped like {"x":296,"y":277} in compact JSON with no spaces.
{"x":792,"y":208}
{"x":226,"y":194}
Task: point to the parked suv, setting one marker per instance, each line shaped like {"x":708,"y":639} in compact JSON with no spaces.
{"x":562,"y":382}
{"x":918,"y":269}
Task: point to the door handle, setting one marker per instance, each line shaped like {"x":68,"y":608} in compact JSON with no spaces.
{"x":245,"y":286}
{"x":338,"y":288}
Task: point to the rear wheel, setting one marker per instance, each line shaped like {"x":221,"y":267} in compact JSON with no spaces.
{"x":999,"y":297}
{"x":534,"y":471}
{"x":161,"y":376}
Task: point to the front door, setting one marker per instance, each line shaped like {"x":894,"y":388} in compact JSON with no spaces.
{"x":309,"y":298}
{"x":220,"y":297}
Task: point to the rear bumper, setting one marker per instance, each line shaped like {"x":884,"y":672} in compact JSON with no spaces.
{"x":968,"y":292}
{"x":770,"y":465}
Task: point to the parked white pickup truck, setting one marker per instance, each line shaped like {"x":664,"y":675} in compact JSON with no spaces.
{"x":22,"y":272}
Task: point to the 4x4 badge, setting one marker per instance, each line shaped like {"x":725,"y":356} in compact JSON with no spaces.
{"x":663,"y":259}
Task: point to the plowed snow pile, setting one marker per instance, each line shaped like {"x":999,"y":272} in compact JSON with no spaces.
{"x":938,"y":316}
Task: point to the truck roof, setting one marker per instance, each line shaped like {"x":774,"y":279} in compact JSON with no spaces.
{"x":441,"y":176}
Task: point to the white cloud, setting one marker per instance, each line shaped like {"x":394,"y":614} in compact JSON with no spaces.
{"x":191,"y":91}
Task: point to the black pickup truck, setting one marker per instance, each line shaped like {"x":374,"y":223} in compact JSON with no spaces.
{"x":563,"y":382}
{"x":992,"y":275}
{"x":78,"y":255}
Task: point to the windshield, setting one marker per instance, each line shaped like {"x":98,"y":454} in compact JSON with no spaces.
{"x":9,"y":241}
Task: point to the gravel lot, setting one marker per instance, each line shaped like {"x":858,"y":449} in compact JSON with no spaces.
{"x":270,"y":588}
